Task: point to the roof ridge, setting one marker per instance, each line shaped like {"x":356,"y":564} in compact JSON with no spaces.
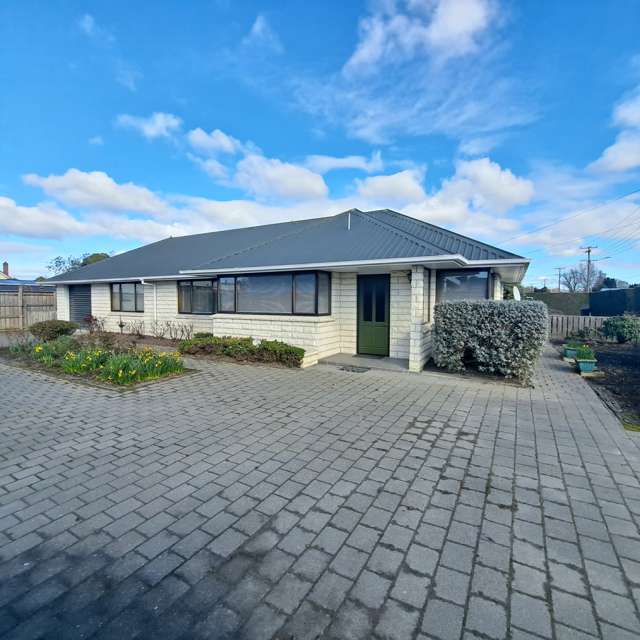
{"x":443,"y":230}
{"x":399,"y":232}
{"x":315,"y":222}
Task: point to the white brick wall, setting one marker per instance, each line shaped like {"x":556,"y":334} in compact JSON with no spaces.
{"x":62,"y":302}
{"x":400,"y":315}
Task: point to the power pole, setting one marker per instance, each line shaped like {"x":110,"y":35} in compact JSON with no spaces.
{"x":559,"y":270}
{"x":588,"y":249}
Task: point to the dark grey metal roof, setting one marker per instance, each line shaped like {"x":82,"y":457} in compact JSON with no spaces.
{"x":373,"y":235}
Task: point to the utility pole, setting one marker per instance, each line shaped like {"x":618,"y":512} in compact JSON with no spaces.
{"x":588,"y":250}
{"x":559,"y":270}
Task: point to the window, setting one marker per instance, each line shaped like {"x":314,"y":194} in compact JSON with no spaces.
{"x":227,"y":294}
{"x":197,"y":296}
{"x":304,"y":293}
{"x":127,"y":296}
{"x":462,"y":285}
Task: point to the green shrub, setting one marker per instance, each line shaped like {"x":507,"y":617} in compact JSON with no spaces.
{"x":585,"y":352}
{"x":621,"y":328}
{"x":203,"y":334}
{"x":52,"y":329}
{"x":276,"y":351}
{"x":503,"y":337}
{"x":573,"y":344}
{"x":244,"y":349}
{"x":84,"y":361}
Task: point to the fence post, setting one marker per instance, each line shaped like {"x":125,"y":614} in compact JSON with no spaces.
{"x":20,"y":308}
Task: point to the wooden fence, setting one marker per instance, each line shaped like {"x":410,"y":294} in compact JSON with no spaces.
{"x":563,"y":326}
{"x":19,"y":309}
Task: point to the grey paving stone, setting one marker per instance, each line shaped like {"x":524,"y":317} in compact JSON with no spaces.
{"x":443,"y":620}
{"x":411,"y":589}
{"x":330,"y":590}
{"x":288,"y":593}
{"x":488,"y":618}
{"x":530,"y":614}
{"x":573,"y":611}
{"x":371,"y":589}
{"x":396,"y":622}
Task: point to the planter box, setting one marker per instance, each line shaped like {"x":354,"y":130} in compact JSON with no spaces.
{"x":570,"y":352}
{"x":586,"y":366}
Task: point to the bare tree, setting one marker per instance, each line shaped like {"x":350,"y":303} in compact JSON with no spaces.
{"x":578,"y":279}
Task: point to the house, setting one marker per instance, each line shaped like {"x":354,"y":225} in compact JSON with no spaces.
{"x":361,"y":282}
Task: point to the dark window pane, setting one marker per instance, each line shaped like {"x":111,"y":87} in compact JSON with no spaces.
{"x":304,"y":293}
{"x":324,"y":293}
{"x":184,"y":297}
{"x":115,"y":297}
{"x":128,"y":300}
{"x":202,"y":297}
{"x":139,"y":297}
{"x":264,"y":294}
{"x":367,"y":301}
{"x":226,"y":290}
{"x":381,"y":300}
{"x":461,"y":285}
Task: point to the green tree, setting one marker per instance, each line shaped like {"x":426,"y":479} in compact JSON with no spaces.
{"x":60,"y":264}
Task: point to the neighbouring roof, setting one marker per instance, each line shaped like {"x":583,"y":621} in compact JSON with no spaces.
{"x":346,"y":237}
{"x":34,"y":285}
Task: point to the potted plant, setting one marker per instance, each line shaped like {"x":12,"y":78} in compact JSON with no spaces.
{"x":571,"y":348}
{"x":585,"y":359}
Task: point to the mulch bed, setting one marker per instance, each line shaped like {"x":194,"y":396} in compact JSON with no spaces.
{"x":621,"y":382}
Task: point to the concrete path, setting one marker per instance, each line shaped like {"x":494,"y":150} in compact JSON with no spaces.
{"x":249,"y":502}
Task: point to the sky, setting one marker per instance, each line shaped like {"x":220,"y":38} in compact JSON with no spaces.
{"x":517,"y":123}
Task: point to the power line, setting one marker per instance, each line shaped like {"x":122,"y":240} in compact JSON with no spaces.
{"x":559,"y":270}
{"x":573,"y":215}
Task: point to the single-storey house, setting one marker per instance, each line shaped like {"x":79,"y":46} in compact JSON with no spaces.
{"x":360,"y":282}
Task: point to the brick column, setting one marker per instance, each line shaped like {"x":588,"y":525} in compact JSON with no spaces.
{"x":416,"y":336}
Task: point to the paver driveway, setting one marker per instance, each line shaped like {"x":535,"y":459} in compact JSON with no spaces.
{"x":247,"y":502}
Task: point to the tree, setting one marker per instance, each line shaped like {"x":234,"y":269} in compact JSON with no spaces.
{"x":578,"y":279}
{"x":63,"y":265}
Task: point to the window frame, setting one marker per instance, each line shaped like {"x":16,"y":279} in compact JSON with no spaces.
{"x":292,"y":274}
{"x":135,"y":297}
{"x":214,"y":299}
{"x":449,"y":272}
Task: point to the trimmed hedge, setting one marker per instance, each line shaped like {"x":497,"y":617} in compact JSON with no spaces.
{"x":621,"y":328}
{"x":244,"y":349}
{"x":502,"y":337}
{"x":52,"y":329}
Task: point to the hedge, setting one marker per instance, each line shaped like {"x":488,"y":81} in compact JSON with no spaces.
{"x":244,"y":349}
{"x":52,"y":329}
{"x":502,"y":337}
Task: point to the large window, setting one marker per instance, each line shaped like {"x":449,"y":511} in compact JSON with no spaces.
{"x":305,"y":293}
{"x":197,"y":296}
{"x":127,"y":296}
{"x":464,"y":284}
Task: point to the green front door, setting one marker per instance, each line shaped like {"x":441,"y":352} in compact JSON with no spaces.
{"x":373,"y":315}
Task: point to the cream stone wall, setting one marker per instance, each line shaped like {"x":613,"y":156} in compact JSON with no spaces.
{"x":62,"y":302}
{"x":400,"y":315}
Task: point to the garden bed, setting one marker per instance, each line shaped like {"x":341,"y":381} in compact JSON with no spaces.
{"x":107,"y":365}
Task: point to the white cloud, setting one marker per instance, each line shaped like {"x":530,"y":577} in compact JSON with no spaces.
{"x":445,"y":28}
{"x":262,"y":36}
{"x":97,"y":190}
{"x":622,"y":155}
{"x":324,"y":164}
{"x":96,"y":141}
{"x":157,"y":125}
{"x":480,"y":145}
{"x":402,"y":187}
{"x":127,"y":76}
{"x":44,"y":220}
{"x":88,"y":25}
{"x":627,"y":113}
{"x":210,"y":166}
{"x":214,"y":142}
{"x":269,"y":177}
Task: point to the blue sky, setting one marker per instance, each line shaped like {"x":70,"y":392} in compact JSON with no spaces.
{"x":516,"y":123}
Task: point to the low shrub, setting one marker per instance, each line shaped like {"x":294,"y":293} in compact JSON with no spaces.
{"x":502,"y":337}
{"x":621,"y":328}
{"x":244,"y":349}
{"x":84,"y":361}
{"x":585,"y":352}
{"x":52,"y":353}
{"x":203,"y":334}
{"x":52,"y":329}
